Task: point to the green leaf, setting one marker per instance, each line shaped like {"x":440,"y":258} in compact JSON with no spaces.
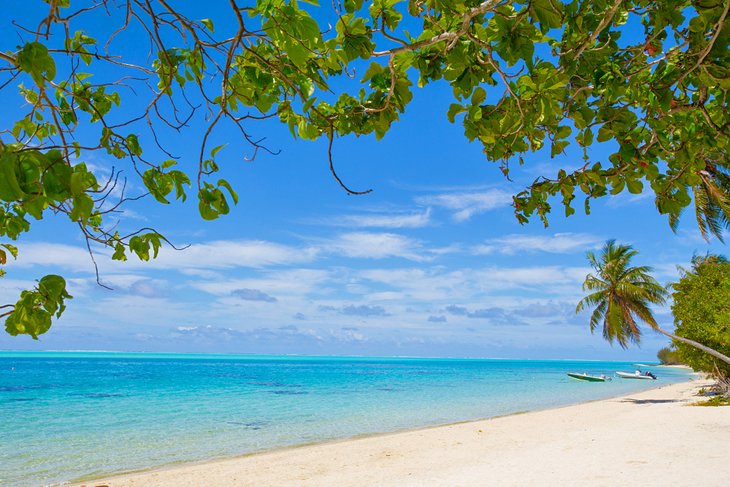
{"x":82,"y":207}
{"x":546,"y":14}
{"x":133,"y":145}
{"x":604,"y":133}
{"x":35,"y":60}
{"x":12,"y":249}
{"x":618,"y":186}
{"x":10,"y":189}
{"x":353,"y":5}
{"x":158,"y":183}
{"x":454,"y":110}
{"x":208,"y":24}
{"x":479,"y":96}
{"x":179,"y":180}
{"x":76,"y":184}
{"x":297,"y":53}
{"x":226,"y":184}
{"x":141,"y":245}
{"x":635,"y":186}
{"x":216,"y":149}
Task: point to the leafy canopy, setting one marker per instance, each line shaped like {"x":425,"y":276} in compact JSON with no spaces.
{"x":648,"y":77}
{"x":702,"y":312}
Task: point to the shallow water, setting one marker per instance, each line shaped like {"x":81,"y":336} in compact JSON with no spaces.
{"x":73,"y":415}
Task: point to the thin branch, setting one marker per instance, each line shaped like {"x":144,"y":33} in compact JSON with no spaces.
{"x":710,"y":44}
{"x":330,"y":136}
{"x":8,"y":58}
{"x":604,"y":23}
{"x":96,"y":267}
{"x":480,"y":9}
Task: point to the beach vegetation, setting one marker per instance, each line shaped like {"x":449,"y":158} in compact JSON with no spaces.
{"x":621,"y":295}
{"x":638,"y":87}
{"x":669,"y":356}
{"x":715,"y":401}
{"x":701,"y":308}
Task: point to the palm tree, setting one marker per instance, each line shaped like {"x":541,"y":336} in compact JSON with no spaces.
{"x":711,"y":198}
{"x":622,"y":295}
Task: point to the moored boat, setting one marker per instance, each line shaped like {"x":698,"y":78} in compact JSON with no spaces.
{"x":588,"y":378}
{"x":636,"y":375}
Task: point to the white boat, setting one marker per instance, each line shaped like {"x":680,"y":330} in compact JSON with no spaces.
{"x":636,"y":375}
{"x":588,"y":378}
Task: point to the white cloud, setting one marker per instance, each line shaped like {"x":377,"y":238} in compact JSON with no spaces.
{"x":544,"y":278}
{"x":53,"y":255}
{"x":219,"y":254}
{"x":367,"y":245}
{"x":292,"y":282}
{"x":467,"y":204}
{"x":391,"y":220}
{"x":475,"y":285}
{"x":109,"y":310}
{"x":560,"y":243}
{"x":668,"y":271}
{"x":222,"y":254}
{"x":11,"y":288}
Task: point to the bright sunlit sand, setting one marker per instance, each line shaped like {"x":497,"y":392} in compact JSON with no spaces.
{"x":648,"y":438}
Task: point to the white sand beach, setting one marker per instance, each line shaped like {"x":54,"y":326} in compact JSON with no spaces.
{"x":651,"y":438}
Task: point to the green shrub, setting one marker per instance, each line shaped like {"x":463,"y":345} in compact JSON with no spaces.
{"x":668,"y":356}
{"x":702,"y":313}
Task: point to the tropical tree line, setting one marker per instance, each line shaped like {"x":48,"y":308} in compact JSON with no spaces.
{"x":669,"y":356}
{"x":646,"y":81}
{"x":621,"y":295}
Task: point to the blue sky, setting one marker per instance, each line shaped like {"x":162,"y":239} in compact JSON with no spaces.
{"x":431,"y":263}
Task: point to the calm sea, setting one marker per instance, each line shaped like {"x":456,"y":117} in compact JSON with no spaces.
{"x":76,"y":415}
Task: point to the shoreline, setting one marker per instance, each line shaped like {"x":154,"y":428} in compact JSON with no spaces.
{"x":443,"y":455}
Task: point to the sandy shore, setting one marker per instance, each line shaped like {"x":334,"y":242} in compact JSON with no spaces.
{"x":648,"y":438}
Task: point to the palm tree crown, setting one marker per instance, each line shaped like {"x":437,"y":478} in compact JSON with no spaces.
{"x":620,"y":293}
{"x":711,"y":197}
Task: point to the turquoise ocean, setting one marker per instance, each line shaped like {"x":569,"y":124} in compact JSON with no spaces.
{"x":68,"y":416}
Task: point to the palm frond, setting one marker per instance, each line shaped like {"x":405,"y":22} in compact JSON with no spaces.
{"x":620,"y":294}
{"x":592,"y":299}
{"x":597,"y":316}
{"x":712,"y":202}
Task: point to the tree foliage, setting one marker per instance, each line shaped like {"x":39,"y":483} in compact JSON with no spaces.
{"x":621,"y":294}
{"x":650,"y":78}
{"x":668,"y":356}
{"x":702,"y":312}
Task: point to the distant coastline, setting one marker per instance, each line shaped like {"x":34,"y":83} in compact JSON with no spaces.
{"x":296,"y":355}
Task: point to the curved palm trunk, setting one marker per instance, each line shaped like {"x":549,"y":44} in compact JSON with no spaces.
{"x":695,"y":344}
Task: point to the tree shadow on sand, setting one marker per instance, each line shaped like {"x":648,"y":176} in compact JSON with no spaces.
{"x":650,"y":401}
